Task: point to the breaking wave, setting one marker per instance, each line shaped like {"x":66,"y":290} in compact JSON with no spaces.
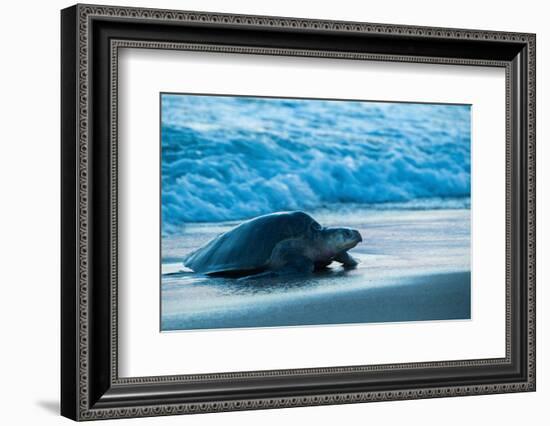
{"x":227,"y":158}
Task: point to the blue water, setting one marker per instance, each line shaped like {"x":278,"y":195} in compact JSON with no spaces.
{"x":230,"y":158}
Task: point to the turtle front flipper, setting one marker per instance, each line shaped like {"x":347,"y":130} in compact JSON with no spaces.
{"x":294,"y":264}
{"x":297,"y":264}
{"x":347,"y":260}
{"x":288,"y":258}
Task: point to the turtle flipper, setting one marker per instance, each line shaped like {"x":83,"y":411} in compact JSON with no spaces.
{"x":297,"y":264}
{"x":293,"y":266}
{"x":288,"y":258}
{"x":347,"y":260}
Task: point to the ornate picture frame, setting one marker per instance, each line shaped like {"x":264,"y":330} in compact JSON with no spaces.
{"x":91,"y":37}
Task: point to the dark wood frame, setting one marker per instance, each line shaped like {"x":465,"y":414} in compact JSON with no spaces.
{"x":90,"y":38}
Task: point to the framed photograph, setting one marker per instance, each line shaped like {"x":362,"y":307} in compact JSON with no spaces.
{"x":263,"y":212}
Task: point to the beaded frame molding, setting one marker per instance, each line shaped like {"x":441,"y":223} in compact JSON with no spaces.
{"x":91,"y":39}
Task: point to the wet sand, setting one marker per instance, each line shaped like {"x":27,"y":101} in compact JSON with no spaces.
{"x":415,"y":266}
{"x":432,"y":297}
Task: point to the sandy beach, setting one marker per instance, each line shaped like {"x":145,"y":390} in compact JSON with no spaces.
{"x":414,"y":266}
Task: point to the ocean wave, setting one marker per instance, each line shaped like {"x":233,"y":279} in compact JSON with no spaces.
{"x":227,"y":158}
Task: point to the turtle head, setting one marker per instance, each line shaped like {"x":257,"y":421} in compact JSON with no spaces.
{"x":341,"y":239}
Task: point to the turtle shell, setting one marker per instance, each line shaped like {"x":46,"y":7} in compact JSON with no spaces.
{"x":248,"y":246}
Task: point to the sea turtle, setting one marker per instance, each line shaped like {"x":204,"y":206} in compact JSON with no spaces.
{"x":286,"y":242}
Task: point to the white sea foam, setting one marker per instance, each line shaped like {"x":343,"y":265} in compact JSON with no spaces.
{"x":229,"y":158}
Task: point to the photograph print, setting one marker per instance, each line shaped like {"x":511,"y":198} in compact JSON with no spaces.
{"x":280,"y":212}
